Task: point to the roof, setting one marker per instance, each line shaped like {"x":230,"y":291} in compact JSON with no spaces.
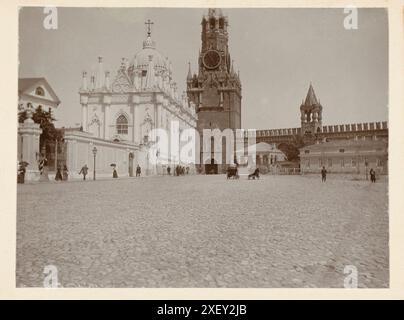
{"x":24,"y":84}
{"x":311,"y":98}
{"x":142,"y":58}
{"x":263,"y":147}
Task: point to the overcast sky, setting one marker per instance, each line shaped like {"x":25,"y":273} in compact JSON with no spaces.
{"x":278,"y":53}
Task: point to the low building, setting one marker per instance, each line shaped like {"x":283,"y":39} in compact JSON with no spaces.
{"x":37,"y":93}
{"x":345,"y":156}
{"x":266,"y":155}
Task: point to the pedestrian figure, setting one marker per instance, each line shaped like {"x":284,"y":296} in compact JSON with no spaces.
{"x":323,"y":174}
{"x":84,"y":171}
{"x":65,"y":173}
{"x":372,"y":175}
{"x":21,"y":173}
{"x":114,"y":174}
{"x":169,"y":170}
{"x":187,"y":169}
{"x":138,"y":171}
{"x":42,"y":163}
{"x":58,"y":176}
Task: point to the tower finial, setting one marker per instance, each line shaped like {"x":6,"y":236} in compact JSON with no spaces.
{"x":189,"y":70}
{"x":149,"y":24}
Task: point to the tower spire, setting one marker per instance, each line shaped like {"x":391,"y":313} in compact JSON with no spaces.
{"x":99,"y":77}
{"x":311,"y":98}
{"x":189,"y":71}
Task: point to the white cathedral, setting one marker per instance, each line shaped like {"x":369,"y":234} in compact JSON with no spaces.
{"x":141,"y":96}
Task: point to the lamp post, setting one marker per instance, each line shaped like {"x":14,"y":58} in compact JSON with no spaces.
{"x":94,"y":153}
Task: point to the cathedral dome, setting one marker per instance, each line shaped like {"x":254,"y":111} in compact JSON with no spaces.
{"x":142,"y":58}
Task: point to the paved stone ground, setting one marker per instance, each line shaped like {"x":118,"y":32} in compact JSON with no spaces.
{"x":203,"y":231}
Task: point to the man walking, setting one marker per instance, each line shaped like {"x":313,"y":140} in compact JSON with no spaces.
{"x":84,"y":171}
{"x":138,"y":171}
{"x":323,"y":174}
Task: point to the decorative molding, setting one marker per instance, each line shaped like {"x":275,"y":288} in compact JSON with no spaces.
{"x":121,"y":83}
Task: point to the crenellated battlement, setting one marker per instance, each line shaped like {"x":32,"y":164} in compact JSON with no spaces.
{"x":342,"y":128}
{"x":356,"y":127}
{"x":278,"y":132}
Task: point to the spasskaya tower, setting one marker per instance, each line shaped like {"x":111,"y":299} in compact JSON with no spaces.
{"x":216,"y":88}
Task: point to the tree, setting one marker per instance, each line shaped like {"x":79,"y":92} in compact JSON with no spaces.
{"x":45,"y":120}
{"x":291,"y":149}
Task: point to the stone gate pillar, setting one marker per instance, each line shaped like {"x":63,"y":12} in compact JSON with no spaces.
{"x":30,"y":133}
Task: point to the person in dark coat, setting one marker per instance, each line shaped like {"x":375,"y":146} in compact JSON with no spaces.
{"x":21,"y":173}
{"x":372,"y":175}
{"x":138,"y":171}
{"x":84,"y":171}
{"x":169,"y":170}
{"x":58,"y":176}
{"x":114,"y":174}
{"x":323,"y":174}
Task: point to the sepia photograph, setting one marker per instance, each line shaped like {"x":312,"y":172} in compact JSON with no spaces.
{"x":202,"y":148}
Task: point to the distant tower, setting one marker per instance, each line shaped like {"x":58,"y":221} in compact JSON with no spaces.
{"x":311,"y":114}
{"x":215,"y":89}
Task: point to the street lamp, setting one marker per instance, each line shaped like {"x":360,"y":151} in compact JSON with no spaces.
{"x":94,"y":153}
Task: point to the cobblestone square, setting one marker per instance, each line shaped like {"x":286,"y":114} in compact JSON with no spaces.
{"x":203,"y":231}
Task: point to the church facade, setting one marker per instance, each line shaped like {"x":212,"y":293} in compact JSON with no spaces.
{"x":142,"y":96}
{"x":215,"y":89}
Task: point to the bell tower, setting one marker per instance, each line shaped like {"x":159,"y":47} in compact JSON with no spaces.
{"x":311,"y":114}
{"x":216,"y":88}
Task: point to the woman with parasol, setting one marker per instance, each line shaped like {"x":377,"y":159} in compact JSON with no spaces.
{"x":114,"y":172}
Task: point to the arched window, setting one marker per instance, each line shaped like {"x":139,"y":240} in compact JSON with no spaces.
{"x":212,"y":23}
{"x":221,"y":23}
{"x":39,"y":91}
{"x":122,"y":125}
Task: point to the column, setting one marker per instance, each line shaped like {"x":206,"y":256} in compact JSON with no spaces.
{"x":84,"y":112}
{"x":133,"y":123}
{"x":71,"y":155}
{"x":106,"y":121}
{"x":261,"y":157}
{"x":159,"y":124}
{"x":221,"y":99}
{"x":30,"y":133}
{"x":136,"y":121}
{"x":200,"y":99}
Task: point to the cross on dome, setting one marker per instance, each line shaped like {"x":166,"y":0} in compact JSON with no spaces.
{"x":149,"y":24}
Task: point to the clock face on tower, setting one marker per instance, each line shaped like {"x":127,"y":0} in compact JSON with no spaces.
{"x":211,"y":59}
